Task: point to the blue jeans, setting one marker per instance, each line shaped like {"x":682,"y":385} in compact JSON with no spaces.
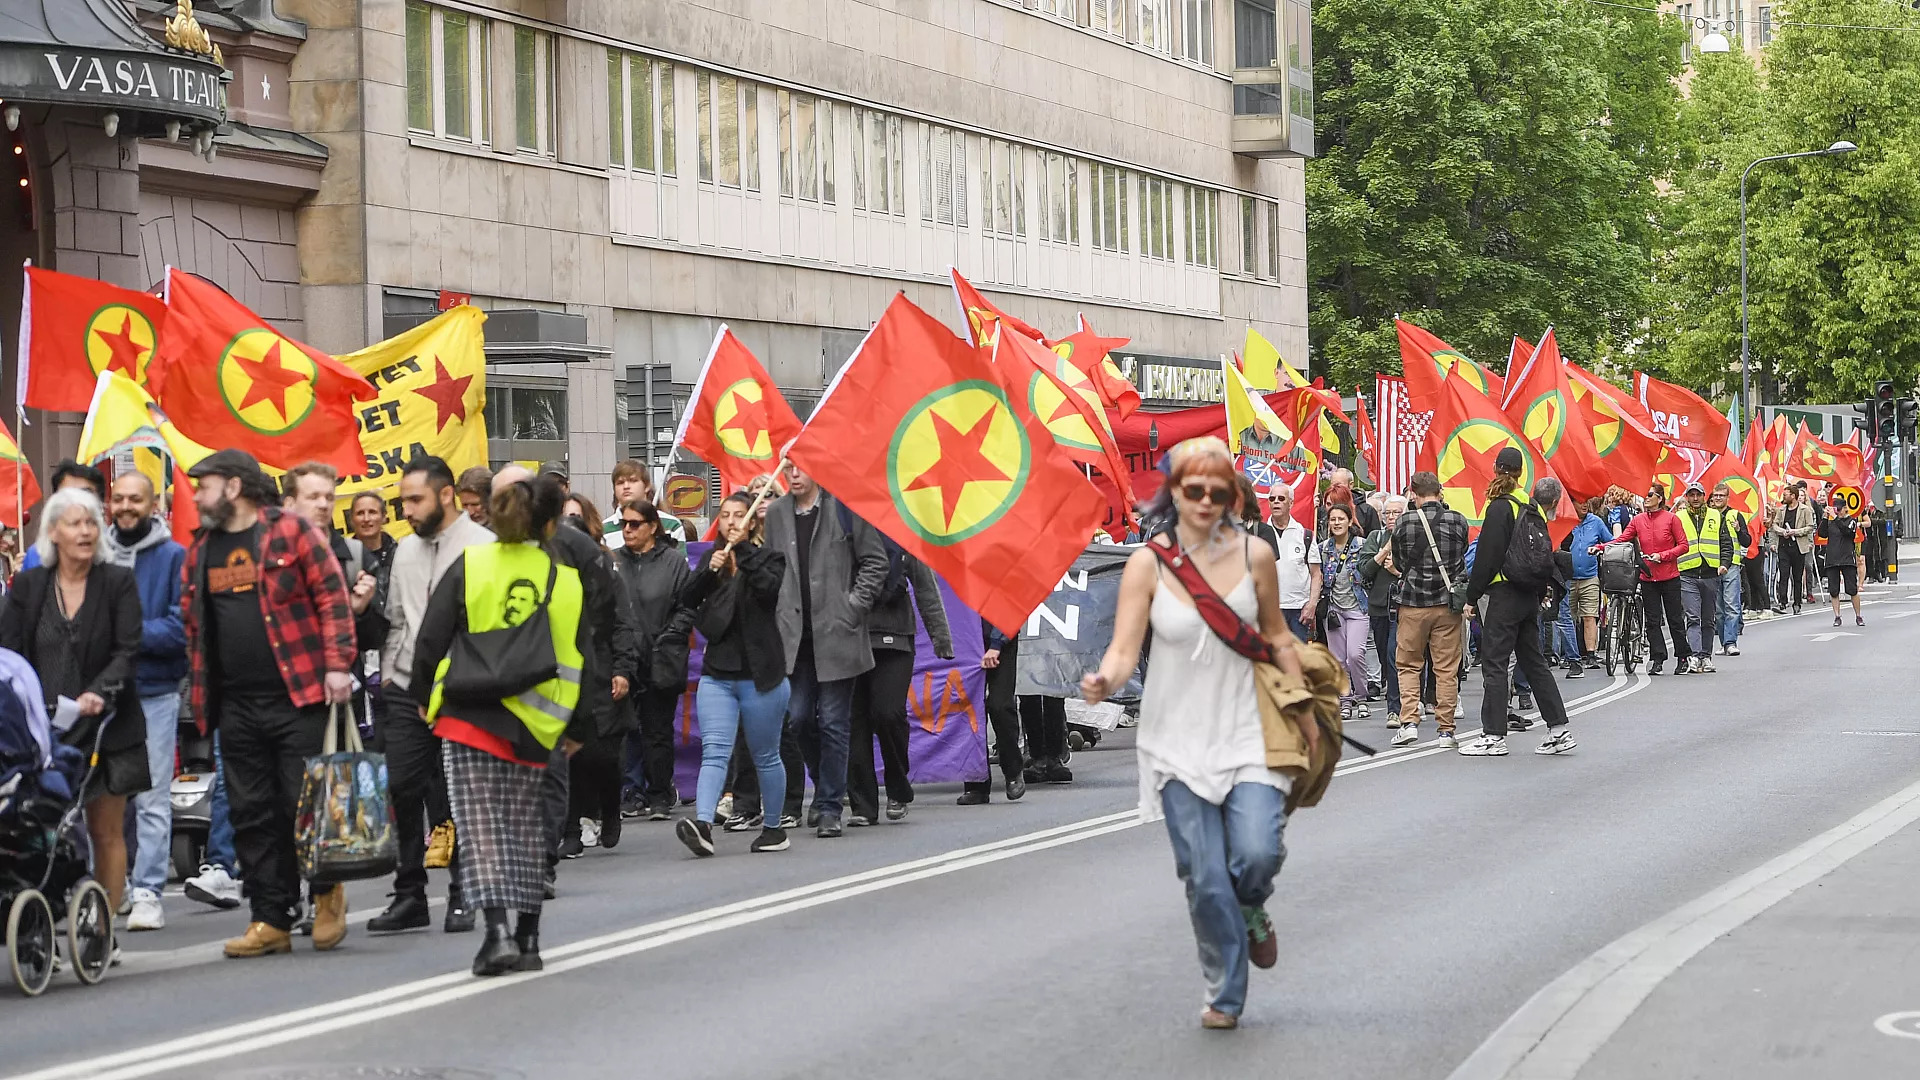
{"x":1228,"y":856}
{"x":1733,"y":613}
{"x":153,"y":808}
{"x":725,"y":707}
{"x":1566,"y":639}
{"x":822,"y":716}
{"x":1295,"y":624}
{"x":219,"y":827}
{"x":1700,"y":598}
{"x":1386,"y":643}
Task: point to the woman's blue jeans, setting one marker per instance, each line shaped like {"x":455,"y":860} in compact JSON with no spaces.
{"x":727,"y":706}
{"x":1228,"y":855}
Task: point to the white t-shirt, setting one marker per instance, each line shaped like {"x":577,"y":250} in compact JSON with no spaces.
{"x":1294,"y":556}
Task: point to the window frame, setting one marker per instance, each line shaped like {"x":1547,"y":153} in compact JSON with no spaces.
{"x":478,"y":130}
{"x":542,"y":84}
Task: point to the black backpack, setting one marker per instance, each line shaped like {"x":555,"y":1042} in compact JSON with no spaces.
{"x":1530,"y":563}
{"x":894,"y":585}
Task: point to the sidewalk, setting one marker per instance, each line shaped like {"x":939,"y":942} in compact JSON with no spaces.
{"x":1796,"y":992}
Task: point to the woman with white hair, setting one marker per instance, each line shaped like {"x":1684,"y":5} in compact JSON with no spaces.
{"x":76,"y":618}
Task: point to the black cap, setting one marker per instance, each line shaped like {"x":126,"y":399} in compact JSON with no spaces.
{"x":553,"y":468}
{"x":228,"y":463}
{"x":1509,"y":460}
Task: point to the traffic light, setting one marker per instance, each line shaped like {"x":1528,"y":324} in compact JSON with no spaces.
{"x":1884,"y":394}
{"x":1869,"y":418}
{"x":1904,"y":411}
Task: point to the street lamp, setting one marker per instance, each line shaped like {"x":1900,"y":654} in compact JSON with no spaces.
{"x":1746,"y":384}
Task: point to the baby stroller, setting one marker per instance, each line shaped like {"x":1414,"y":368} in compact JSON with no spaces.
{"x":44,"y":853}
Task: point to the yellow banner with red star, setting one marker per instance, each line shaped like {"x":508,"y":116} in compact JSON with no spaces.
{"x":432,"y":383}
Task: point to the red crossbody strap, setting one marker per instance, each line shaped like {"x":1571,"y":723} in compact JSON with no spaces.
{"x":1223,"y":620}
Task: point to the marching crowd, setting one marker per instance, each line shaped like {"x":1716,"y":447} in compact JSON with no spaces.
{"x":517,"y":658}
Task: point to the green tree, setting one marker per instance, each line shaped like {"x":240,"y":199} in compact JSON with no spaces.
{"x":1485,"y":167}
{"x":1834,"y":243}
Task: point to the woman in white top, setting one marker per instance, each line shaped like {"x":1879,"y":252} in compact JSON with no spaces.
{"x":1202,"y":752}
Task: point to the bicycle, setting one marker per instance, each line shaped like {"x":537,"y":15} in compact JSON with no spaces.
{"x":1623,"y":636}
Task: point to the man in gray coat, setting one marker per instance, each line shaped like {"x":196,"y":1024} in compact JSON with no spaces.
{"x":835,"y":568}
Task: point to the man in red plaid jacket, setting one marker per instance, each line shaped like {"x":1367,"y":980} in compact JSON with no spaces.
{"x":270,"y":644}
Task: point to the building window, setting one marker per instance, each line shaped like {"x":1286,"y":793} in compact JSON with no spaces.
{"x":1766,"y":25}
{"x":1196,"y":31}
{"x":639,"y":113}
{"x":703,"y":116}
{"x":447,"y":74}
{"x":1300,"y":67}
{"x":1060,"y":219}
{"x":806,"y":147}
{"x":1066,"y":9}
{"x":1156,"y":25}
{"x":943,"y":175}
{"x":750,"y":134}
{"x":1156,"y":218}
{"x":1107,"y":17}
{"x":1110,"y":208}
{"x":1273,"y":241}
{"x":534,"y":84}
{"x":1003,"y":188}
{"x":879,"y":171}
{"x":1203,"y":227}
{"x":729,"y":111}
{"x":1249,"y":239}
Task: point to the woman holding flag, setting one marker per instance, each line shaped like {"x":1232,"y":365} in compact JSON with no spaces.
{"x":1205,"y":764}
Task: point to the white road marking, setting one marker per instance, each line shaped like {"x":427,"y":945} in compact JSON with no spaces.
{"x":1890,"y":1024}
{"x":1561,"y":1028}
{"x":1903,"y":614}
{"x":1832,"y":634}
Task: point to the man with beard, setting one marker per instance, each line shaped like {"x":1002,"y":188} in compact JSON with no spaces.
{"x":270,"y":644}
{"x":417,"y":785}
{"x":141,"y":544}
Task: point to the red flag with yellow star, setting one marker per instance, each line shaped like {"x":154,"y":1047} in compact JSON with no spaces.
{"x":1092,"y":354}
{"x":737,"y":421}
{"x":1427,"y":361}
{"x":228,"y":379}
{"x":1066,"y":400}
{"x":19,"y":488}
{"x":935,"y":445}
{"x":1621,"y":429}
{"x":74,"y":328}
{"x":981,"y":314}
{"x":1539,"y":398}
{"x":1467,"y":433}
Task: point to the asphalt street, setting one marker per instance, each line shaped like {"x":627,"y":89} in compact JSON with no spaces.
{"x":1421,"y":905}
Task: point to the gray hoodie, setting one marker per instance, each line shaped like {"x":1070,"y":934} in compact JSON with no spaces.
{"x":418,"y":564}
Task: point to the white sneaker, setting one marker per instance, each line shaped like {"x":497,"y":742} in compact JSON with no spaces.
{"x":1733,"y":650}
{"x":589,"y":833}
{"x":1407,"y":735}
{"x":1557,"y":743}
{"x":146,"y":913}
{"x":725,"y":809}
{"x":1486,"y":746}
{"x":1362,"y":711}
{"x":1459,"y":711}
{"x":1448,"y":739}
{"x":1703,"y":665}
{"x":214,"y":886}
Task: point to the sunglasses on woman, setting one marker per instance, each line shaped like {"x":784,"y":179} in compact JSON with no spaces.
{"x":1218,"y":496}
{"x":629,"y":524}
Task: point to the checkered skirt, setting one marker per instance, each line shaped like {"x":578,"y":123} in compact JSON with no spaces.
{"x":498,"y":820}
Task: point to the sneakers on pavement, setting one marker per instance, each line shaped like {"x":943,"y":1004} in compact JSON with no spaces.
{"x":697,"y":835}
{"x":896,"y":810}
{"x":1836,"y":620}
{"x":829,"y":827}
{"x":146,"y":913}
{"x":408,"y":912}
{"x":1733,"y":650}
{"x":745,"y":823}
{"x":589,"y":833}
{"x":573,"y":847}
{"x":1263,"y":945}
{"x":771,"y":840}
{"x":1859,"y":620}
{"x":1576,"y":670}
{"x":1486,"y":746}
{"x":1704,"y":665}
{"x":1393,"y":718}
{"x":725,"y":808}
{"x":1448,"y":739}
{"x":214,"y":886}
{"x":1526,"y":701}
{"x":1406,"y":736}
{"x":1557,"y":743}
{"x":858,"y":821}
{"x":1659,"y":668}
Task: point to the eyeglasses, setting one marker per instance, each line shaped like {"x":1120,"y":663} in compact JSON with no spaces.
{"x":629,"y":524}
{"x":1218,"y":496}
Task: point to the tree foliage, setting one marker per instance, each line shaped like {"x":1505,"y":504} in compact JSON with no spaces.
{"x":1833,"y":242}
{"x":1485,"y":167}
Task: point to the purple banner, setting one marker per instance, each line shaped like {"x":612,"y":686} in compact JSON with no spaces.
{"x":946,"y":702}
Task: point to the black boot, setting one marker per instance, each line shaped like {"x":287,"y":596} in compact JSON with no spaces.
{"x":407,"y":912}
{"x":459,"y":916}
{"x":526,"y":934}
{"x":499,"y":953}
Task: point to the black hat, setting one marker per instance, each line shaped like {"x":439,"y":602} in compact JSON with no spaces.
{"x":229,"y":463}
{"x":554,"y":468}
{"x":1509,"y":460}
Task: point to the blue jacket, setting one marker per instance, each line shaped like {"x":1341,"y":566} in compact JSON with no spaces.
{"x":157,"y":562}
{"x":1589,"y":532}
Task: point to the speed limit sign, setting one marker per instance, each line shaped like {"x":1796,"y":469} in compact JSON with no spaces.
{"x":1852,"y":498}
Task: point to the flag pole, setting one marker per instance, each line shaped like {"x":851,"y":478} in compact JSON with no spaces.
{"x":753,"y":508}
{"x":19,"y":478}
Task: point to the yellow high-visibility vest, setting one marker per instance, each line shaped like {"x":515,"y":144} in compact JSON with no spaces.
{"x":503,"y":582}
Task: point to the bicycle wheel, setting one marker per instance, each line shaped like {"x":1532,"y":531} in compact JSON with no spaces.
{"x":89,"y":932}
{"x":1636,"y":637}
{"x":1612,"y":654}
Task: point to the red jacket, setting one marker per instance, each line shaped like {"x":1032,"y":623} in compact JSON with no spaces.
{"x":1659,"y":533}
{"x":303,"y":596}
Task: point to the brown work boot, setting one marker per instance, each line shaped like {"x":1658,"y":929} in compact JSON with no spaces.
{"x":259,"y":940}
{"x":329,"y":918}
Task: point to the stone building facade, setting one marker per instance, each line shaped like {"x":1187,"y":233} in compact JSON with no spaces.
{"x":613,"y":180}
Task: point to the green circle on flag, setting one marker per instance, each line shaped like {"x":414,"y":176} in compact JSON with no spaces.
{"x":957,"y":462}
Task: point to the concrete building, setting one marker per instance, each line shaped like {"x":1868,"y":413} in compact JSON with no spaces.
{"x":612,"y":179}
{"x":1745,"y":24}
